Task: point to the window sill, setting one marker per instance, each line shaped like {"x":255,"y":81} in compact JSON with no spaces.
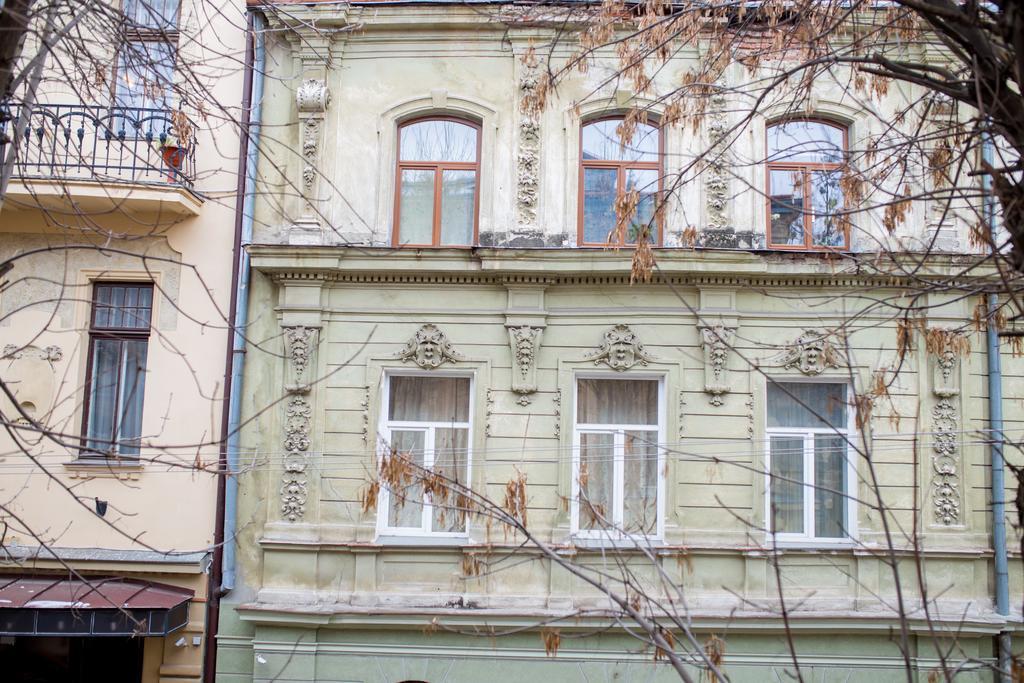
{"x":423,"y":541}
{"x":812,"y":544}
{"x":103,"y":467}
{"x":630,"y":543}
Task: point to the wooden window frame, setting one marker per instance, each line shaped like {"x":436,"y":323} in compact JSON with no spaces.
{"x":145,"y":35}
{"x":439,"y":167}
{"x":805,"y":168}
{"x":620,"y":181}
{"x":108,"y":333}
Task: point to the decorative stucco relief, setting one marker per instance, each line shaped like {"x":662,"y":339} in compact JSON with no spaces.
{"x":556,"y":402}
{"x":621,"y":350}
{"x":50,"y":354}
{"x":312,"y":99}
{"x":716,"y":177}
{"x":946,"y":465}
{"x":312,"y":96}
{"x":528,"y":156}
{"x":525,"y":344}
{"x":488,"y":411}
{"x":811,"y":353}
{"x":716,"y":341}
{"x":300,"y":343}
{"x":429,"y":348}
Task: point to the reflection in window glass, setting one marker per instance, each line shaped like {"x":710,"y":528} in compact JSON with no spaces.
{"x":438,"y":141}
{"x":805,"y":141}
{"x":416,"y":224}
{"x":601,"y":142}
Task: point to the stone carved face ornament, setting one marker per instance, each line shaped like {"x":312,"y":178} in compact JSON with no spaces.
{"x":429,"y":348}
{"x":811,"y":353}
{"x":621,"y":350}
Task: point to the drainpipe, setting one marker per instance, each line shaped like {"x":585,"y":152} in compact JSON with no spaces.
{"x":995,"y":417}
{"x":222,"y":570}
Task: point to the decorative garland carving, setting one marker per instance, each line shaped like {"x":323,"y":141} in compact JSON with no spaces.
{"x":310,"y":142}
{"x":682,"y":414}
{"x":525,"y":343}
{"x":716,"y":341}
{"x":528,"y":156}
{"x":299,"y":341}
{"x":429,"y":348}
{"x":297,"y":427}
{"x":488,"y":411}
{"x":811,"y":353}
{"x":716,"y":177}
{"x":946,"y":439}
{"x":365,"y":405}
{"x":312,"y":99}
{"x":621,"y":350}
{"x":556,"y":401}
{"x":946,"y":488}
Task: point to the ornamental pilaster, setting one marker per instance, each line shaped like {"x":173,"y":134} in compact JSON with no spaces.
{"x":946,"y":461}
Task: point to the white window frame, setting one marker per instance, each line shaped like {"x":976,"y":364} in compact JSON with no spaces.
{"x":385,"y":427}
{"x":618,"y":484}
{"x":807,"y":538}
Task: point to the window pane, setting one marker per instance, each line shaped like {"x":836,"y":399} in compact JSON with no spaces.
{"x":416,"y":210}
{"x":600,"y":186}
{"x":133,"y":388}
{"x":157,"y":14}
{"x":123,"y":306}
{"x":809,"y":141}
{"x":106,"y":360}
{"x":602,"y":142}
{"x":145,"y":75}
{"x":617,"y":402}
{"x":458,"y":206}
{"x":429,"y":399}
{"x":787,"y":219}
{"x":787,"y":490}
{"x":644,"y":181}
{"x":450,"y":460}
{"x":830,"y":486}
{"x":640,"y":494}
{"x":794,"y":409}
{"x":826,"y":200}
{"x":596,"y":480}
{"x":405,"y":508}
{"x":438,"y":141}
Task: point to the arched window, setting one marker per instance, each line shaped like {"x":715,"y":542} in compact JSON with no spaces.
{"x":608,"y":170}
{"x":805,"y":160}
{"x":437,"y":182}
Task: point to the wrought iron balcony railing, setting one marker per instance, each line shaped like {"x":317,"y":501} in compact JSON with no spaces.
{"x":102,"y":144}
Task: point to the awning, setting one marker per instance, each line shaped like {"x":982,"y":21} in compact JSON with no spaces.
{"x":47,"y":606}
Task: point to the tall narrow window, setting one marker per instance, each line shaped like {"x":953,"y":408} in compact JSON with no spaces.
{"x":617,"y":465}
{"x":145,"y":62}
{"x":118,"y":345}
{"x":805,"y":160}
{"x":609,"y":170}
{"x":437,"y":183}
{"x":809,"y":480}
{"x":428,"y":421}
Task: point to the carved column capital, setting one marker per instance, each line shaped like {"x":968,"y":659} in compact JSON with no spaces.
{"x":312,"y":98}
{"x":524,"y":340}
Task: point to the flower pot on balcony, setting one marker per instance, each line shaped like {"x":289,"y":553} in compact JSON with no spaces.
{"x":174,"y":159}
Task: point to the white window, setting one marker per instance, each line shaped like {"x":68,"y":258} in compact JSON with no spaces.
{"x":426,"y":418}
{"x":809,"y":472}
{"x":618,"y":467}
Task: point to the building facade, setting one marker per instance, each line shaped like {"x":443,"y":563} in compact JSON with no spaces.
{"x":117,"y":227}
{"x":430,"y":278}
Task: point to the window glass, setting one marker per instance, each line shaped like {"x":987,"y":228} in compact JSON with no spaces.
{"x":830,"y":486}
{"x":145,"y":75}
{"x":119,"y":345}
{"x":602,"y":142}
{"x":600,"y":186}
{"x":618,"y":401}
{"x":458,"y":206}
{"x":826,"y":202}
{"x":805,"y":141}
{"x":790,"y":404}
{"x":417,"y":206}
{"x":428,"y":420}
{"x":152,"y":14}
{"x":787,"y":494}
{"x":429,"y":399}
{"x":618,"y":470}
{"x":436,"y":140}
{"x":787,"y":207}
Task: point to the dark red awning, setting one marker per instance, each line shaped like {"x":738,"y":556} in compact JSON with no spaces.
{"x":38,"y":605}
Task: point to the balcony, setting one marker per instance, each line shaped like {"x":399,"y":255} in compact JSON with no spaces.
{"x":95,"y":160}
